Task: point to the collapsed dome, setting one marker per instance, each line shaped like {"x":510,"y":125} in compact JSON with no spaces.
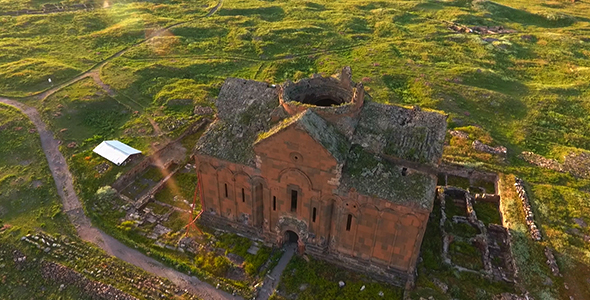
{"x":337,"y":99}
{"x":318,"y":91}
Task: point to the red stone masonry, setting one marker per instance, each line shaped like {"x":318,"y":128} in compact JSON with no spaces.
{"x":295,"y":182}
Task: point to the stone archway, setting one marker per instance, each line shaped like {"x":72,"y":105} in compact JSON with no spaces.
{"x":298,"y":235}
{"x":291,"y":237}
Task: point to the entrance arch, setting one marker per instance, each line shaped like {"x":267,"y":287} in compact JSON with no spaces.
{"x":291,"y":237}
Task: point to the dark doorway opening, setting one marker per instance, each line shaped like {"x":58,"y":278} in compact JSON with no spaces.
{"x":291,"y":237}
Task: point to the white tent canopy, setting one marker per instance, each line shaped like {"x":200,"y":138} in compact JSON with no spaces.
{"x":115,"y":151}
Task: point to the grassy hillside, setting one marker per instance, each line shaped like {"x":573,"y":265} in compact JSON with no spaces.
{"x":526,"y":89}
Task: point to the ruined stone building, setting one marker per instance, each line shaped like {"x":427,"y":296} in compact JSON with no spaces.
{"x":319,"y":163}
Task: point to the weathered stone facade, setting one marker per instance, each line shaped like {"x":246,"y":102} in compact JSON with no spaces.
{"x":318,"y":163}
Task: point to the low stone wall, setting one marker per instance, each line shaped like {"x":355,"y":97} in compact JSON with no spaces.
{"x":528,"y":212}
{"x":470,"y":173}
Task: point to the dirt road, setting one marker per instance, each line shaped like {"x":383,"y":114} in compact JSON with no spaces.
{"x":73,"y":208}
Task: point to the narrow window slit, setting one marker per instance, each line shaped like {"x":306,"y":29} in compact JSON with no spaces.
{"x":348,"y":222}
{"x":293,"y":201}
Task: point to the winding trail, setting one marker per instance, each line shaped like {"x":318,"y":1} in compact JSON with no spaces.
{"x":72,"y":205}
{"x":96,"y":68}
{"x":73,"y":208}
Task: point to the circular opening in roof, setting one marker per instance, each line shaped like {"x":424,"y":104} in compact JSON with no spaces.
{"x":319,"y":91}
{"x":321,"y":101}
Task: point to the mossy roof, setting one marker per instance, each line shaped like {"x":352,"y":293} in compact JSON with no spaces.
{"x":371,"y":175}
{"x":409,"y":134}
{"x":243,"y":119}
{"x":243,"y":112}
{"x":320,"y":130}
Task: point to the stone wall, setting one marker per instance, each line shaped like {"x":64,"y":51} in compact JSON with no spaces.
{"x":357,"y":231}
{"x":124,"y":180}
{"x":528,"y":211}
{"x":466,"y":172}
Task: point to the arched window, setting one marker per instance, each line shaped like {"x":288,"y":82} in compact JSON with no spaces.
{"x":274,"y":202}
{"x":313,"y":215}
{"x":243,"y":195}
{"x":226,"y":194}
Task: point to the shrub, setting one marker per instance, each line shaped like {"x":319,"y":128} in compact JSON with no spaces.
{"x":105,"y":193}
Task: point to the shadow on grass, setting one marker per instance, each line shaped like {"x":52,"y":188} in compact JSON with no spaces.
{"x":494,"y":82}
{"x":271,"y":14}
{"x":194,"y":32}
{"x":315,"y":6}
{"x":376,"y":5}
{"x":408,"y":18}
{"x":502,"y":12}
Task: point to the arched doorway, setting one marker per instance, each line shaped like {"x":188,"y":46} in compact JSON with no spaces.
{"x":291,"y":237}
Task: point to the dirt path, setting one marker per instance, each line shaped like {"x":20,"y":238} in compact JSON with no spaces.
{"x":96,"y":68}
{"x":95,"y":75}
{"x":73,"y":208}
{"x":272,"y":280}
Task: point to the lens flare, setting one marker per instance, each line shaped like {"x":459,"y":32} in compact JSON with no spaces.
{"x":161,"y":41}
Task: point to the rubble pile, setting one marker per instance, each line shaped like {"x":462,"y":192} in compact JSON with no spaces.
{"x":540,"y":161}
{"x":459,"y":134}
{"x":578,"y":164}
{"x":508,"y":296}
{"x":98,"y":266}
{"x":482,"y":30}
{"x":551,"y":262}
{"x":481,"y":147}
{"x":528,"y":212}
{"x":94,"y":289}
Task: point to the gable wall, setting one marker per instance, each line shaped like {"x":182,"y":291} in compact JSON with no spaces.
{"x":310,"y":174}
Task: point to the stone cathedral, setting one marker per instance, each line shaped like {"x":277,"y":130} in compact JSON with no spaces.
{"x":319,"y":163}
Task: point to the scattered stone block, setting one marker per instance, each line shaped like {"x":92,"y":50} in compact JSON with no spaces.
{"x":580,"y":222}
{"x":459,"y":134}
{"x":253,"y":248}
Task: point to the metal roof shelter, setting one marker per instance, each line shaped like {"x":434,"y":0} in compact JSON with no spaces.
{"x":115,"y":151}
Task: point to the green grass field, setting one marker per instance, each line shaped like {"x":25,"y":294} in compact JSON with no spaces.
{"x":28,"y":198}
{"x":29,"y":204}
{"x":527,"y":90}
